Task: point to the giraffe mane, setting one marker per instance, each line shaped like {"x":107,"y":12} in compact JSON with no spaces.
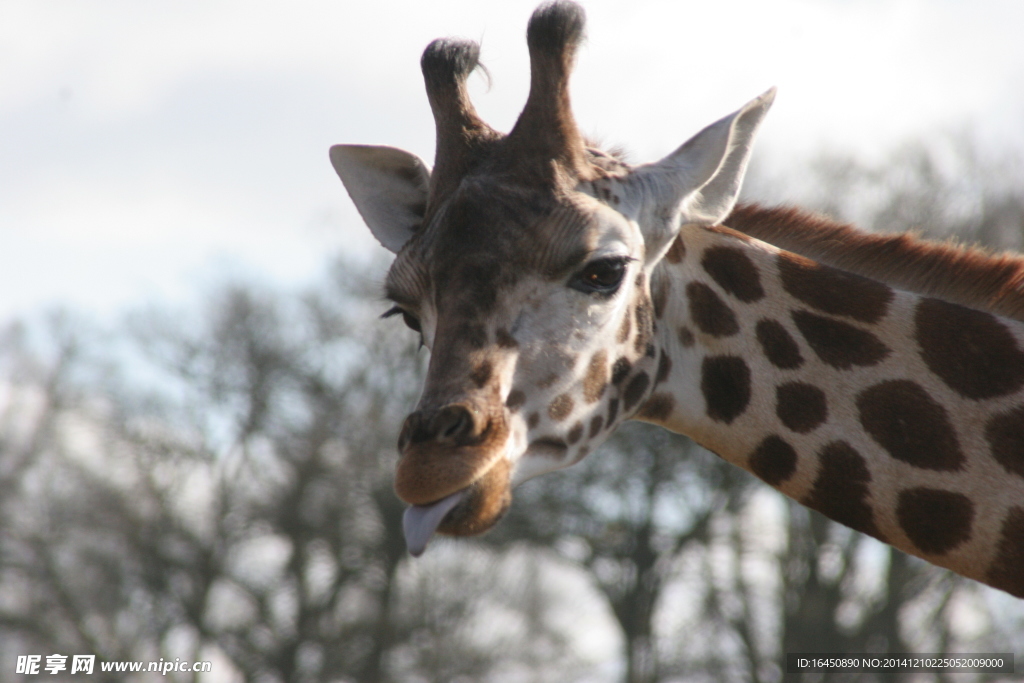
{"x":966,"y":275}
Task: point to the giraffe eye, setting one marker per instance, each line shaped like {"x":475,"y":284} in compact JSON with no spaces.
{"x":600,"y":277}
{"x":411,"y":321}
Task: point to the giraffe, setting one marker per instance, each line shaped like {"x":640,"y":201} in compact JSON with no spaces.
{"x":560,"y":291}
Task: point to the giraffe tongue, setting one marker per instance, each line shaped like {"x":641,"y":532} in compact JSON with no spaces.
{"x":420,"y":521}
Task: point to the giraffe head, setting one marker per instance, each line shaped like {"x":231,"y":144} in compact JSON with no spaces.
{"x":525,"y":262}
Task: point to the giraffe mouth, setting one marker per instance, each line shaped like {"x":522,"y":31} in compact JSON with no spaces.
{"x":421,"y":521}
{"x":467,"y":512}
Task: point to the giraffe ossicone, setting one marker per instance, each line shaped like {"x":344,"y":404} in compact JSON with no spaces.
{"x":561,"y":292}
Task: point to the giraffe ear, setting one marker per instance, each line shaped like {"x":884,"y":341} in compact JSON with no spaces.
{"x":389,"y":188}
{"x":700,"y":181}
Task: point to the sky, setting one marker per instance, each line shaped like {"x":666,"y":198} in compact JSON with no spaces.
{"x":151,"y":150}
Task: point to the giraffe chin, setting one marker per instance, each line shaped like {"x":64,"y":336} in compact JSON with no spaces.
{"x":467,"y":512}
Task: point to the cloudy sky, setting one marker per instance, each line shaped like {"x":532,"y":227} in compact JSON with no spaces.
{"x":149,"y":150}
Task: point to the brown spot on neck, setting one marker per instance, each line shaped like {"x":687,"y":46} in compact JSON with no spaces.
{"x":840,"y":491}
{"x":801,"y":407}
{"x":658,"y":407}
{"x":774,"y":460}
{"x":635,"y":390}
{"x":971,"y":351}
{"x":910,"y":425}
{"x":709,"y":312}
{"x":725,"y":383}
{"x":833,"y":291}
{"x":734,"y":272}
{"x":1005,"y":435}
{"x":575,"y":434}
{"x":779,"y":347}
{"x":839,"y":344}
{"x":936,"y":521}
{"x":621,"y":370}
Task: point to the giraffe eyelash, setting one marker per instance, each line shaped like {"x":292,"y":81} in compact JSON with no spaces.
{"x":411,"y":321}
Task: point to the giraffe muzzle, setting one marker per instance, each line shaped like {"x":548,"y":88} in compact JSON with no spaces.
{"x":453,"y":472}
{"x":467,"y":512}
{"x":446,"y":449}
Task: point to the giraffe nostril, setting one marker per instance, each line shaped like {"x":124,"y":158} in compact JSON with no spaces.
{"x":451,"y":422}
{"x":454,"y":428}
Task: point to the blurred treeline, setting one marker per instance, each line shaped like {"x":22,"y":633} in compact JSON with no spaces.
{"x":215,"y":484}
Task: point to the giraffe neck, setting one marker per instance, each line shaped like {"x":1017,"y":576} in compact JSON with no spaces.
{"x":899,"y":415}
